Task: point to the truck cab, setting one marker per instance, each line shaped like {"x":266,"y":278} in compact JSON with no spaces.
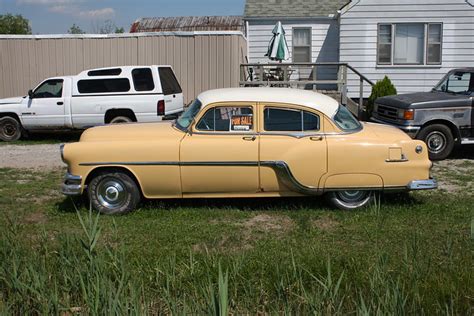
{"x":443,"y":117}
{"x":93,"y":97}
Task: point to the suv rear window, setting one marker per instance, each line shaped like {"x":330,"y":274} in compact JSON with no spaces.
{"x":103,"y":85}
{"x":143,"y":79}
{"x":169,"y":84}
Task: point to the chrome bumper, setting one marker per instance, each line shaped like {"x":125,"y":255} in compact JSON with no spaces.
{"x":72,"y":185}
{"x":412,"y":131}
{"x":422,"y":184}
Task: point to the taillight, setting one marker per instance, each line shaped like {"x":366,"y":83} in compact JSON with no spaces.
{"x":160,"y":108}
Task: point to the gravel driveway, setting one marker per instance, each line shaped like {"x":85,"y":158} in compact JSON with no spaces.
{"x":31,"y":156}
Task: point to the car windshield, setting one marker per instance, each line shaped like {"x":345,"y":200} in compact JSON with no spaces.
{"x":187,"y":117}
{"x":346,"y":121}
{"x":457,"y":82}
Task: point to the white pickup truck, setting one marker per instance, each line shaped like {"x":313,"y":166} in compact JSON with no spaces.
{"x":93,"y":97}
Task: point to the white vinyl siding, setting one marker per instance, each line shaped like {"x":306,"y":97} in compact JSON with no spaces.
{"x":450,"y":47}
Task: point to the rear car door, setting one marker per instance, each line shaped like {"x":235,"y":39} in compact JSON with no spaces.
{"x":173,"y":94}
{"x":291,"y":136}
{"x":46,"y":108}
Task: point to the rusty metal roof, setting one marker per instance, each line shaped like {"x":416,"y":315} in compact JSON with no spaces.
{"x":188,"y":23}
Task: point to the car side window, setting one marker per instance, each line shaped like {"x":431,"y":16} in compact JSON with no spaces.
{"x":227,"y":119}
{"x":143,"y":79}
{"x":49,"y":89}
{"x":289,"y":120}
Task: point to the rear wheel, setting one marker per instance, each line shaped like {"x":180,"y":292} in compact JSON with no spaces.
{"x":439,"y":140}
{"x":10,"y":129}
{"x":113,"y":193}
{"x":350,"y":199}
{"x":120,"y":120}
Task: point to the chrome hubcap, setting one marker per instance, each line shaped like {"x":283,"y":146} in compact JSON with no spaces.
{"x":436,"y":141}
{"x":352,"y":196}
{"x":111,"y":193}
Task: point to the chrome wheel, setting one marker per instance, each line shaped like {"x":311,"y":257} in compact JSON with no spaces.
{"x":350,"y":199}
{"x":436,"y":142}
{"x":111,"y":193}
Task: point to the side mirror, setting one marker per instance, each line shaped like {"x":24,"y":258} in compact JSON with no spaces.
{"x":30,"y":94}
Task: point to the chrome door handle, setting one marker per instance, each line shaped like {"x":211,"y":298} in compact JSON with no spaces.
{"x":249,"y":138}
{"x":316,"y":138}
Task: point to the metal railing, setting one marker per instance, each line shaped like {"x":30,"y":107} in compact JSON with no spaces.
{"x":325,"y":77}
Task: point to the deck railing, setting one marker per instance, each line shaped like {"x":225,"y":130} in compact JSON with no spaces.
{"x":325,"y":77}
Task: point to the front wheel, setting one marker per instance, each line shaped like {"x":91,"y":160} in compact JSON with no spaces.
{"x":10,"y":129}
{"x":350,"y":199}
{"x":439,"y":140}
{"x":113,"y":193}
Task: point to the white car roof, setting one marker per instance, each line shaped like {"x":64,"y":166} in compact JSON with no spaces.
{"x":315,"y":100}
{"x":124,"y":68}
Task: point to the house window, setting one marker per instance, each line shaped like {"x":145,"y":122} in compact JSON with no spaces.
{"x":302,"y":45}
{"x":409,"y":44}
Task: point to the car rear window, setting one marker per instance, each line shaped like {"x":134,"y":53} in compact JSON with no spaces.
{"x":143,"y":79}
{"x":169,"y":84}
{"x":103,"y":85}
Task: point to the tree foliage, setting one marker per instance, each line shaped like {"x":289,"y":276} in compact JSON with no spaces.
{"x":14,"y":24}
{"x":75,"y":29}
{"x":107,"y":27}
{"x":382,"y":88}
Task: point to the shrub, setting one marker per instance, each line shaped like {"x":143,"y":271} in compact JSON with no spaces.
{"x":382,"y":88}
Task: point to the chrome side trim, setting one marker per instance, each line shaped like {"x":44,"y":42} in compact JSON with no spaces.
{"x":422,"y":184}
{"x":72,"y":185}
{"x":284,"y":174}
{"x":173,"y":163}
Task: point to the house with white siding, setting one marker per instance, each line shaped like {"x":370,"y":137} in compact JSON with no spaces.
{"x":414,"y":43}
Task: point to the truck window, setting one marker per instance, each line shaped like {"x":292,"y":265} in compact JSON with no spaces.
{"x":105,"y":72}
{"x":103,"y":85}
{"x":143,"y":79}
{"x":49,"y":89}
{"x":169,"y":84}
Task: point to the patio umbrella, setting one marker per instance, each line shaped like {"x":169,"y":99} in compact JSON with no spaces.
{"x":278,"y":48}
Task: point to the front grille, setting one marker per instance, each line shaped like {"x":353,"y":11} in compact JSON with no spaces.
{"x":387,"y":112}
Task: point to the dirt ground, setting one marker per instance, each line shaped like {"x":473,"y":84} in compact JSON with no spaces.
{"x":41,"y":157}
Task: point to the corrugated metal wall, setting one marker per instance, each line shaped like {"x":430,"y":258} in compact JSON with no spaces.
{"x":201,"y":60}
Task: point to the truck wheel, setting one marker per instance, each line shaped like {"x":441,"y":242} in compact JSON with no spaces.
{"x":350,"y":199}
{"x":113,"y":193}
{"x":439,"y":140}
{"x":10,"y":129}
{"x":120,"y":120}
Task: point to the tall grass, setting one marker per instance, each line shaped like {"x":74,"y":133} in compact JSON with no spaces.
{"x":86,"y":274}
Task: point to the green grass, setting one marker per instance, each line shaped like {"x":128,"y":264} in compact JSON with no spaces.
{"x":413,"y":254}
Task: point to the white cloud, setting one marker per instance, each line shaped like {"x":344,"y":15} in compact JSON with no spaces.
{"x":97,"y":14}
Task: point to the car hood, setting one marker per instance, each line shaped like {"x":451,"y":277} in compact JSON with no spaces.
{"x":419,"y":99}
{"x":132,"y":132}
{"x":15,"y":100}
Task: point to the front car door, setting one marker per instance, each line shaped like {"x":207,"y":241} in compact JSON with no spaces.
{"x":293,"y":151}
{"x":220,"y":155}
{"x":46,"y":109}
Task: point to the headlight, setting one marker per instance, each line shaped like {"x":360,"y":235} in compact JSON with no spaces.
{"x":61,"y":149}
{"x":408,"y":115}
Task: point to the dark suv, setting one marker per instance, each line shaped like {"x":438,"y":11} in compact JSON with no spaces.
{"x":442,"y":117}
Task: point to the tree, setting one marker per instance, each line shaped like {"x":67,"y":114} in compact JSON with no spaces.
{"x":382,"y":88}
{"x":75,"y":29}
{"x":14,"y":24}
{"x":107,"y":27}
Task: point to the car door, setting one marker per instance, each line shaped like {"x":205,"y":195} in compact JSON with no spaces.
{"x":173,"y":94}
{"x":220,"y":155}
{"x":46,"y":106}
{"x":293,"y":151}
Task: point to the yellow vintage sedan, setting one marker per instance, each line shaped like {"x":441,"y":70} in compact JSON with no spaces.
{"x":246,"y":142}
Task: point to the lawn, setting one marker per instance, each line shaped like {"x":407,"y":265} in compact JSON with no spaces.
{"x":412,"y":254}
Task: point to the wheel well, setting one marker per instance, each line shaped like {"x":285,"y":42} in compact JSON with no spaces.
{"x":14,"y":115}
{"x":452,"y":127}
{"x":98,"y":170}
{"x":110,"y":114}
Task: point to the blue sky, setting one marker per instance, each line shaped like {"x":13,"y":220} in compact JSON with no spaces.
{"x":56,"y":16}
